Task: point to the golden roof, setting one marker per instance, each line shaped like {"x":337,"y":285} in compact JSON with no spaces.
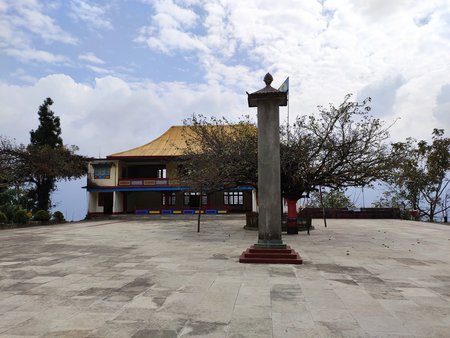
{"x":171,"y":143}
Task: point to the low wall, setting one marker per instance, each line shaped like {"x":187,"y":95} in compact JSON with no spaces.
{"x":382,"y":213}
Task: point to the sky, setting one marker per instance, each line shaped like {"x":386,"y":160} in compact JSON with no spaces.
{"x":122,"y":72}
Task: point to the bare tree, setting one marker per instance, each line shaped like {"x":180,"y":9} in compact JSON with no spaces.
{"x":28,"y":166}
{"x":420,"y":177}
{"x":342,"y":147}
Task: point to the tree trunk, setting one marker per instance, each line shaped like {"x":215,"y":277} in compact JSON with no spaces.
{"x":199,"y":210}
{"x":432,"y":211}
{"x":43,"y":191}
{"x":198,"y":219}
{"x":323,"y":207}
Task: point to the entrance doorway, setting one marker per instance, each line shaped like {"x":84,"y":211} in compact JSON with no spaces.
{"x":105,"y":200}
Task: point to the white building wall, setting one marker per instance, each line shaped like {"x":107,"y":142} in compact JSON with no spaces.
{"x":105,"y":182}
{"x":117,"y":202}
{"x":93,"y":203}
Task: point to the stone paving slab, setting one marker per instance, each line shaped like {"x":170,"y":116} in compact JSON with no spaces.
{"x":158,"y":277}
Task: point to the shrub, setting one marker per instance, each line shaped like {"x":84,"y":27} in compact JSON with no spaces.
{"x":42,"y":215}
{"x":58,"y":216}
{"x":21,"y":216}
{"x":9,"y":210}
{"x":3,"y":218}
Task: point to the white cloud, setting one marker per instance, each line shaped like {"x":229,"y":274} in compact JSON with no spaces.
{"x":93,"y":15}
{"x":328,"y":49}
{"x":24,"y":76}
{"x":26,"y":18}
{"x":91,"y":57}
{"x":99,"y":70}
{"x":172,"y":14}
{"x":442,"y":108}
{"x":169,"y":29}
{"x":30,"y":54}
{"x":111,"y":115}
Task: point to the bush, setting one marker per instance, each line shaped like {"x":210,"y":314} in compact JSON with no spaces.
{"x":58,"y":216}
{"x":42,"y":216}
{"x":3,"y":218}
{"x":21,"y":216}
{"x":9,"y":210}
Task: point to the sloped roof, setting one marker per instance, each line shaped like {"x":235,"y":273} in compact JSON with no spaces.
{"x":171,"y":143}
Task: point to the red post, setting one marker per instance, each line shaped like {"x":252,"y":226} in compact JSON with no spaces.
{"x":292,"y":228}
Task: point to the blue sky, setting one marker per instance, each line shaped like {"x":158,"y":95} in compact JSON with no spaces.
{"x":122,"y":72}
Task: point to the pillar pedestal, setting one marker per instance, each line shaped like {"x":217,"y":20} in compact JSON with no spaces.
{"x":271,"y":255}
{"x":273,"y":244}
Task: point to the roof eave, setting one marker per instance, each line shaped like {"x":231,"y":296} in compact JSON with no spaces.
{"x":144,"y":157}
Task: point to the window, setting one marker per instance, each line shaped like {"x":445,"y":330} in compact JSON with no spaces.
{"x":192,"y":198}
{"x":146,"y":171}
{"x":169,"y":198}
{"x":102,"y":171}
{"x":162,"y":173}
{"x":233,"y":198}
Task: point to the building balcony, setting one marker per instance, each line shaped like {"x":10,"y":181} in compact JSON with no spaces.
{"x":148,"y":182}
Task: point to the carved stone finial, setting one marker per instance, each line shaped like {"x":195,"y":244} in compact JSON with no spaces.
{"x":268,"y":79}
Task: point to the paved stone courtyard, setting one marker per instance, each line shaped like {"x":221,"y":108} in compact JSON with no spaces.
{"x":160,"y":278}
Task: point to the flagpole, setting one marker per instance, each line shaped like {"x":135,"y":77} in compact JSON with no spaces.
{"x":288,"y":110}
{"x":288,"y":129}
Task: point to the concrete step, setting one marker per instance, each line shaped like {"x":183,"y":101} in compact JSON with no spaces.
{"x":270,"y":256}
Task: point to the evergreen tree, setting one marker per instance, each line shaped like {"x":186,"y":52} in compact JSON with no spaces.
{"x":37,"y":167}
{"x":49,"y":130}
{"x":47,"y":135}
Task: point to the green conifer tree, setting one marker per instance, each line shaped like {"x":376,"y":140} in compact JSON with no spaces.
{"x":47,"y":135}
{"x":49,"y":130}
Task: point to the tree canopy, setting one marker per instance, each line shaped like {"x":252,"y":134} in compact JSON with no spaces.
{"x":331,"y":199}
{"x":420,"y":177}
{"x":38,"y":166}
{"x":341,"y":147}
{"x":220,"y":154}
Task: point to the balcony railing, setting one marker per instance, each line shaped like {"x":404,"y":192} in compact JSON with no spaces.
{"x":148,"y":182}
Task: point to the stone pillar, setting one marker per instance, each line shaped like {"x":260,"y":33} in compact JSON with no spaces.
{"x":270,"y":248}
{"x":268,"y":100}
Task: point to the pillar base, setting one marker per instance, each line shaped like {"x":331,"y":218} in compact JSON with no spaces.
{"x":270,"y":244}
{"x":270,"y":255}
